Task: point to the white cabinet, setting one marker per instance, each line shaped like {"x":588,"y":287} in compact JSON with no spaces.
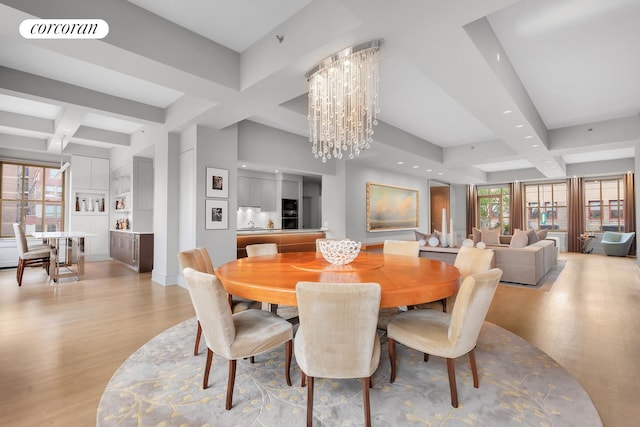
{"x":89,"y":204}
{"x":89,"y":173}
{"x":290,"y":190}
{"x":257,"y":192}
{"x":133,"y":196}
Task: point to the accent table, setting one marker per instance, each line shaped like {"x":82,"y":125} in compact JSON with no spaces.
{"x":53,"y":238}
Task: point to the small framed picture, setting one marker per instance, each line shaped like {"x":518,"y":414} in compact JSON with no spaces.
{"x":217,"y":214}
{"x":217,"y":183}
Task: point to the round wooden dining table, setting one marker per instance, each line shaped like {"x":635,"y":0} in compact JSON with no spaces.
{"x":404,"y":280}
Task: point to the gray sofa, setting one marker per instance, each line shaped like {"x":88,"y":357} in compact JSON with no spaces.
{"x":525,"y":265}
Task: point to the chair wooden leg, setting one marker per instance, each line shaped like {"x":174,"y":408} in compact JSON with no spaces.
{"x":198,"y":335}
{"x":451,"y":368}
{"x":230,"y":383}
{"x":392,"y":358}
{"x":207,"y":368}
{"x":20,"y":271}
{"x":303,"y":379}
{"x":287,"y":361}
{"x":474,"y":368}
{"x":366,"y":383}
{"x":310,"y":402}
{"x":444,"y":305}
{"x":425,"y":357}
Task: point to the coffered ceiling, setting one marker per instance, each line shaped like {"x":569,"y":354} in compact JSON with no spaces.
{"x":470,"y":91}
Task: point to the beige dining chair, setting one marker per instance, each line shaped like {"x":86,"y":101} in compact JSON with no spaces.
{"x":337,"y":335}
{"x":199,"y":260}
{"x":396,"y":247}
{"x":468,"y":261}
{"x":234,"y":335}
{"x":30,"y":256}
{"x":447,"y":335}
{"x":260,"y":249}
{"x":264,"y":249}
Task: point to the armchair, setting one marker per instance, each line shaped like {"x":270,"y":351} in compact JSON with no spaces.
{"x":617,"y":244}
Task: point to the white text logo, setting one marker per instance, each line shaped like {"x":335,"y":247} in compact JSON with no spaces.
{"x":64,"y":28}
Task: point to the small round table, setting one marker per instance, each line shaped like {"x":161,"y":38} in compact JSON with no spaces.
{"x":404,"y":280}
{"x":585,"y":243}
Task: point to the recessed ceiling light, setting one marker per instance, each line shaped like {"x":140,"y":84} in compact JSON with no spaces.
{"x":507,"y":112}
{"x":519,"y":126}
{"x":416,"y":166}
{"x":440,"y":173}
{"x":528,"y":137}
{"x":498,"y":56}
{"x":244,"y":166}
{"x":535,"y":145}
{"x":401,"y":163}
{"x":429,"y":170}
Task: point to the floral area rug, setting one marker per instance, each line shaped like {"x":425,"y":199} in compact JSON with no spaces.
{"x":161,"y":385}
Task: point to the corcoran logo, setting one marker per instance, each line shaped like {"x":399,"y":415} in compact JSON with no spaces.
{"x":64,"y":28}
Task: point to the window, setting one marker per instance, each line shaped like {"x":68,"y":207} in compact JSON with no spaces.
{"x":32,"y":196}
{"x":493,"y":207}
{"x":546,"y":206}
{"x":604,"y":200}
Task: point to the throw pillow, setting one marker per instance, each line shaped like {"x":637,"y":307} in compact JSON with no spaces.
{"x":477,"y":235}
{"x":542,"y":234}
{"x":491,"y":237}
{"x":519,"y":239}
{"x":532,"y":236}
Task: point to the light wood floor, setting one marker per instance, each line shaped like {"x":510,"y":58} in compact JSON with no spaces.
{"x":60,"y":345}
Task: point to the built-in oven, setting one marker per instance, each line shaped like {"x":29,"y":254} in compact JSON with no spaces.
{"x":289,"y":213}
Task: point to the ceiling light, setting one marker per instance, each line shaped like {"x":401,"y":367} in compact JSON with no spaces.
{"x":416,"y":166}
{"x":519,"y":126}
{"x":429,"y":170}
{"x":343,"y":101}
{"x":535,"y":145}
{"x":528,"y":137}
{"x":400,"y":163}
{"x":507,"y":112}
{"x":440,"y":173}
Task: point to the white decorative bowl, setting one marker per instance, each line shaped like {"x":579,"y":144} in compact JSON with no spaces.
{"x":339,"y":252}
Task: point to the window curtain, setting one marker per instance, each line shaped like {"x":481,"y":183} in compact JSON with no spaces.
{"x":575,"y":213}
{"x":629,"y":211}
{"x":515,"y":207}
{"x":472,"y":208}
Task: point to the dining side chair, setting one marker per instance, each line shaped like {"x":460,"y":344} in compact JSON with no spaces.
{"x":260,"y":249}
{"x":396,"y":247}
{"x":30,"y":256}
{"x":263,"y":249}
{"x":447,"y":335}
{"x":337,"y":335}
{"x":468,"y":261}
{"x":234,"y":335}
{"x":199,"y":260}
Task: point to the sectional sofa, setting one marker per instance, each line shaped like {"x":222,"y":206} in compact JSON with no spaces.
{"x":525,"y":265}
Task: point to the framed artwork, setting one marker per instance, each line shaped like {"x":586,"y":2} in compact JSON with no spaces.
{"x":391,"y":208}
{"x":217,"y":183}
{"x":216,"y":215}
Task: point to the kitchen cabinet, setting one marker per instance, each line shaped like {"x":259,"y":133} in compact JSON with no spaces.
{"x":290,"y":190}
{"x":89,"y":173}
{"x":132,"y":189}
{"x":133,"y":249}
{"x":257,"y":192}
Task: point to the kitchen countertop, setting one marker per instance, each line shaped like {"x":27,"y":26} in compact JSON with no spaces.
{"x":247,"y":231}
{"x":132,"y":232}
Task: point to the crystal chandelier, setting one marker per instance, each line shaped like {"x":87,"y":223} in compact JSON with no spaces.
{"x":343,"y":101}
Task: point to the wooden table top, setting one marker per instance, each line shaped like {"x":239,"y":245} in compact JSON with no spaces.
{"x":404,"y":280}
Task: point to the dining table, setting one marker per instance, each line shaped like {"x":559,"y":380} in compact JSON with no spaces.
{"x":60,"y":268}
{"x":404,"y":280}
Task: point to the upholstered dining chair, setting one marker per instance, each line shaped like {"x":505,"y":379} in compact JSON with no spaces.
{"x":263,"y":249}
{"x":30,"y":256}
{"x":468,"y":261}
{"x":401,"y":247}
{"x":234,"y":335}
{"x":447,"y":335}
{"x":260,"y":249}
{"x":199,"y":260}
{"x":337,"y":335}
{"x":396,"y":247}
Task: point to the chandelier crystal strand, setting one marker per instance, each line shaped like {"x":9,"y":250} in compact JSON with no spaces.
{"x":343,"y":102}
